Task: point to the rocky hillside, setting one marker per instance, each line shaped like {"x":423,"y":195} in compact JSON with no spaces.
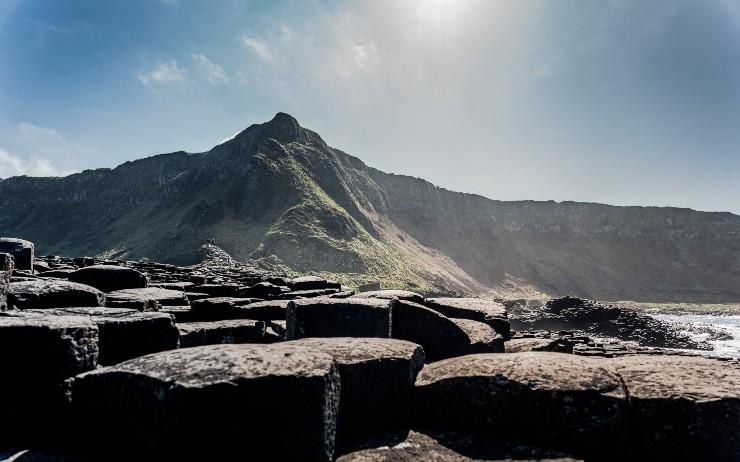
{"x":278,"y":195}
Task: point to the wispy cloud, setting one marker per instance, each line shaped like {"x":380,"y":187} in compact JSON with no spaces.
{"x":258,"y":46}
{"x":36,"y":151}
{"x":11,"y":165}
{"x":213,"y":72}
{"x":165,"y":72}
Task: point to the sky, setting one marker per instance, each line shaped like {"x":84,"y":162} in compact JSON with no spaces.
{"x":625,"y":102}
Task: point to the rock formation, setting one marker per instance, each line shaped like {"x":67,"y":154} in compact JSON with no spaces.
{"x":193,"y":374}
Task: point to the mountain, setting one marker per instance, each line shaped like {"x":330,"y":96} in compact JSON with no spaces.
{"x":278,"y":195}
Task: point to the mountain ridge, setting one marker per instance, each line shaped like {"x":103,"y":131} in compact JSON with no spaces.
{"x":277,"y":191}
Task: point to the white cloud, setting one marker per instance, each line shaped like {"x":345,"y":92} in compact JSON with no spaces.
{"x":213,"y":72}
{"x":11,"y":165}
{"x":257,"y":46}
{"x":165,"y":72}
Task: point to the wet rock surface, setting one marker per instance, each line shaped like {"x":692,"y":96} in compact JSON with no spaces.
{"x":355,"y":384}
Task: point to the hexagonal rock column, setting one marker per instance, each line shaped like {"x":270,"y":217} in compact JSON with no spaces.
{"x":492,"y":313}
{"x":220,"y":308}
{"x":38,"y":354}
{"x":391,"y":294}
{"x":439,"y":335}
{"x":22,"y":252}
{"x":482,"y":337}
{"x":377,"y":381}
{"x":268,"y":402}
{"x":216,"y":332}
{"x":554,"y":400}
{"x":332,"y":317}
{"x":126,"y":333}
{"x":6,"y":270}
{"x":684,"y":408}
{"x":146,"y":299}
{"x":109,"y":277}
{"x":49,"y":293}
{"x":312,"y":283}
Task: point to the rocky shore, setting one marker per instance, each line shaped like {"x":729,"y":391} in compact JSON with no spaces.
{"x":121,"y":360}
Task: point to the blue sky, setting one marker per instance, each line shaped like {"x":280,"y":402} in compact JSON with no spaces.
{"x":625,"y":102}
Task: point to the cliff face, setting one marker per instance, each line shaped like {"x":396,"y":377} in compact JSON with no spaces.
{"x":277,"y":190}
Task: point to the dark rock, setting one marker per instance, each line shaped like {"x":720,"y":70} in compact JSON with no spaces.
{"x":109,"y":277}
{"x":146,"y":299}
{"x":278,"y":402}
{"x":438,"y":335}
{"x":482,"y":337}
{"x":40,"y":267}
{"x":220,"y":308}
{"x":193,"y":296}
{"x":218,"y":290}
{"x":180,"y":313}
{"x":6,"y":269}
{"x":58,"y":273}
{"x":312,"y":283}
{"x":331,"y":317}
{"x":377,"y":380}
{"x":415,"y":447}
{"x":38,"y":354}
{"x":313,"y":293}
{"x":22,"y":252}
{"x":391,"y":294}
{"x":215,"y":332}
{"x":81,"y":262}
{"x":521,"y":345}
{"x":50,"y":293}
{"x":683,"y":407}
{"x":554,"y":400}
{"x":342,"y":294}
{"x":182,"y":286}
{"x":594,"y":318}
{"x":488,"y":311}
{"x":262,"y":290}
{"x":126,"y":333}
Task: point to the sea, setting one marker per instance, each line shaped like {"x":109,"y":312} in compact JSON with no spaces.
{"x":702,"y":326}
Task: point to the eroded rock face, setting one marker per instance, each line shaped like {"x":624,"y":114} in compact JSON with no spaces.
{"x":146,"y":299}
{"x":6,"y":270}
{"x":220,"y":308}
{"x":377,"y":381}
{"x":109,"y":277}
{"x":482,"y":338}
{"x":216,"y":332}
{"x":278,"y":402}
{"x":488,"y":311}
{"x":595,"y":318}
{"x":683,"y":407}
{"x":125,"y":333}
{"x":38,"y":354}
{"x":21,"y":250}
{"x":555,"y":400}
{"x":50,"y":293}
{"x":331,"y":317}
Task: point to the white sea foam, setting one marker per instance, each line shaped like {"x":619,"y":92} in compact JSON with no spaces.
{"x":703,"y":322}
